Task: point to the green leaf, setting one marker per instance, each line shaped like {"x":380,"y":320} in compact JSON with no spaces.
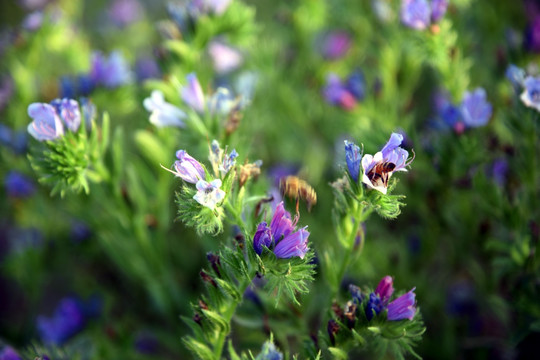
{"x":338,"y":353}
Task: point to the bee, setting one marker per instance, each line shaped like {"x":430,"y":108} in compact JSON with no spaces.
{"x":296,"y":188}
{"x":380,"y":173}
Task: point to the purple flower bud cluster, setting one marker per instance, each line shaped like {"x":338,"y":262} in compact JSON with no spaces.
{"x":474,"y":111}
{"x":281,"y":236}
{"x":345,"y":94}
{"x":419,"y":14}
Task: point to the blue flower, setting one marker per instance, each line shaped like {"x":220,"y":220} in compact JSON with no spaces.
{"x":353,"y":156}
{"x":404,"y":307}
{"x":110,"y":72}
{"x":269,"y":352}
{"x":531,"y":95}
{"x":374,"y":306}
{"x":187,"y":168}
{"x":192,"y":93}
{"x":415,"y":14}
{"x":288,"y":242}
{"x":356,"y":84}
{"x":229,"y":160}
{"x":18,"y":186}
{"x":475,"y":109}
{"x":379,"y":168}
{"x":209,"y":194}
{"x":68,"y":320}
{"x":47,"y":124}
{"x":516,"y":76}
{"x":163,"y":113}
{"x":69,"y":112}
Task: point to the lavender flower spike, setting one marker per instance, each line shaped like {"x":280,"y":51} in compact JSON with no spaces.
{"x":385,"y":289}
{"x":353,"y":155}
{"x":404,"y":307}
{"x":209,"y":194}
{"x":68,"y":110}
{"x":163,"y":113}
{"x":192,"y":93}
{"x":475,"y":109}
{"x":187,"y":168}
{"x":415,"y":14}
{"x":379,"y":168}
{"x":531,"y":96}
{"x":47,"y":124}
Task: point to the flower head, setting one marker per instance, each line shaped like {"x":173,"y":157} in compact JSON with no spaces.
{"x":163,"y":113}
{"x":404,"y":307}
{"x":288,"y":243}
{"x":68,"y":319}
{"x":379,"y":168}
{"x":353,"y":156}
{"x":209,"y":194}
{"x":385,"y":289}
{"x":187,"y":168}
{"x":68,"y":110}
{"x":111,"y":72}
{"x":415,"y":13}
{"x":475,"y":109}
{"x":47,"y":124}
{"x":224,"y":57}
{"x":192,"y":93}
{"x":531,"y":95}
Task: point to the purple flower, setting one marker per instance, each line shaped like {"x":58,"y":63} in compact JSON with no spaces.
{"x":336,"y":44}
{"x":33,"y":21}
{"x":475,"y":109}
{"x":209,"y":194}
{"x":415,"y":14}
{"x":438,"y":9}
{"x":192,"y":93}
{"x":499,"y":171}
{"x":68,"y":110}
{"x":385,"y":289}
{"x":531,"y":95}
{"x":531,"y":39}
{"x":68,"y":320}
{"x":263,"y":237}
{"x":147,"y":68}
{"x":356,"y":84}
{"x":404,"y":307}
{"x":217,"y":7}
{"x":379,"y":168}
{"x":163,"y":113}
{"x":85,"y":84}
{"x":356,"y":294}
{"x":336,"y":93}
{"x":187,"y":168}
{"x":374,"y":306}
{"x":18,"y":186}
{"x":353,"y":156}
{"x":288,"y":243}
{"x":124,"y":12}
{"x":146,"y":343}
{"x":9,"y":353}
{"x":229,"y":160}
{"x":225,"y":58}
{"x":47,"y":124}
{"x":516,"y":76}
{"x":110,"y":72}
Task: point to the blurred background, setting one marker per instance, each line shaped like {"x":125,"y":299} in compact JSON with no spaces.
{"x":108,"y":275}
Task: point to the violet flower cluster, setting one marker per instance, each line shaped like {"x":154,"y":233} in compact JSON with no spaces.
{"x":474,"y":111}
{"x":377,"y":169}
{"x":345,"y":94}
{"x":419,"y":14}
{"x":49,"y":119}
{"x":281,"y":236}
{"x":401,"y":308}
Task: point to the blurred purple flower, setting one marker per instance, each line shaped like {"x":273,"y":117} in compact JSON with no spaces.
{"x":85,"y":84}
{"x":187,"y":168}
{"x":9,"y":353}
{"x":18,"y":185}
{"x":217,"y":7}
{"x":392,"y":158}
{"x":531,"y":38}
{"x":531,"y":95}
{"x":33,"y":4}
{"x":146,"y":343}
{"x":33,"y":21}
{"x":147,"y":68}
{"x":67,"y":87}
{"x":124,"y":12}
{"x":356,"y":294}
{"x":353,"y":156}
{"x":67,"y":320}
{"x":475,"y":109}
{"x":111,"y":72}
{"x":335,"y":44}
{"x":438,"y":9}
{"x":498,"y":171}
{"x":209,"y":194}
{"x":356,"y":84}
{"x":80,"y":231}
{"x":415,"y":14}
{"x":336,"y":93}
{"x":192,"y":93}
{"x":68,"y":110}
{"x":163,"y":113}
{"x":47,"y":124}
{"x":404,"y":307}
{"x":225,"y":58}
{"x":279,"y":171}
{"x":516,"y":76}
{"x":16,"y":140}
